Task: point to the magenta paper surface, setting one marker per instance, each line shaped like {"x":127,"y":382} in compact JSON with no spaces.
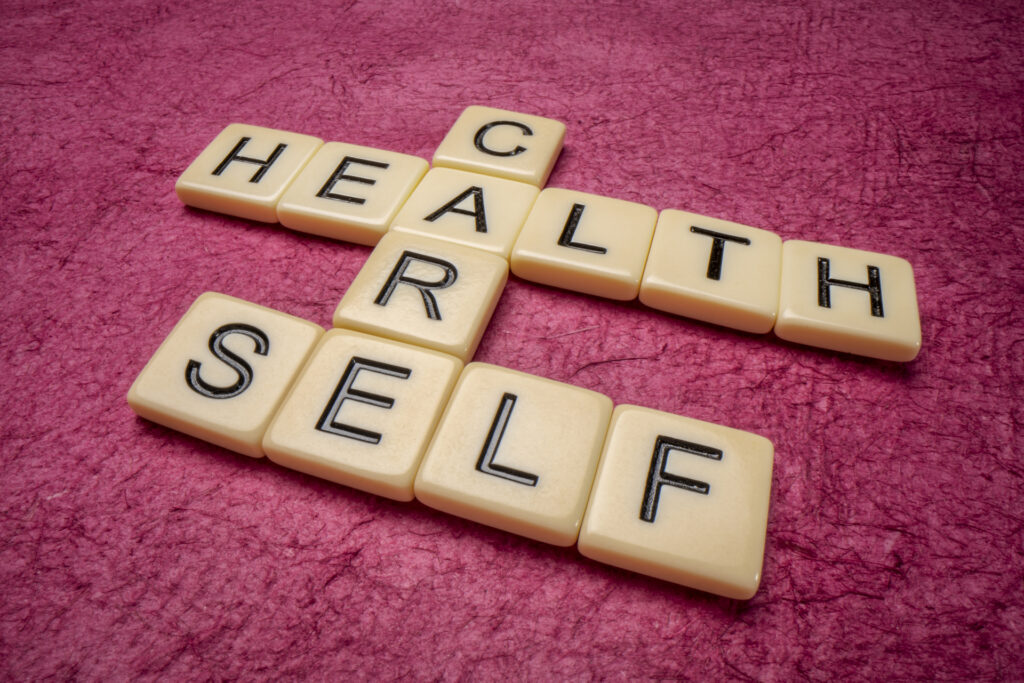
{"x":895,"y":546}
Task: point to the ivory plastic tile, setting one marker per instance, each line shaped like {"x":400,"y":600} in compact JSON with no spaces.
{"x":681,"y":500}
{"x":426,"y":292}
{"x":713,"y":270}
{"x":516,"y":452}
{"x":467,"y":208}
{"x":351,"y":193}
{"x":245,"y":170}
{"x":362,"y":412}
{"x":848,"y":300}
{"x":223,"y":370}
{"x":502,"y":143}
{"x":586,"y":243}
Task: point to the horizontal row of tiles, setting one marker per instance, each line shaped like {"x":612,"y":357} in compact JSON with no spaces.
{"x":686,"y":264}
{"x":663,"y":495}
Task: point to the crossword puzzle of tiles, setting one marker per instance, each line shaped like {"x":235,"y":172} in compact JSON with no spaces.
{"x":385,"y":403}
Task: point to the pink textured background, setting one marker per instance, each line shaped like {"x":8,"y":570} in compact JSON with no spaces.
{"x":895,"y":540}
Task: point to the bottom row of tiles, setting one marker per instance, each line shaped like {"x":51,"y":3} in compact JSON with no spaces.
{"x":671,"y":497}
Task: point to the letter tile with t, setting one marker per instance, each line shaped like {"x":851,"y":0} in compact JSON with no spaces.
{"x":467,"y":208}
{"x":426,"y":292}
{"x":586,"y":243}
{"x":848,"y":300}
{"x":681,"y":500}
{"x":362,"y":412}
{"x":713,"y":270}
{"x":516,"y":452}
{"x":350,"y":193}
{"x":245,"y":170}
{"x":223,"y":370}
{"x":502,"y":143}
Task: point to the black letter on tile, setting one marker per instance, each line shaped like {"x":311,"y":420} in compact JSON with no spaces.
{"x":478,"y":140}
{"x":873,"y":287}
{"x":231,"y":359}
{"x":657,"y":476}
{"x":328,"y":421}
{"x":570,"y":229}
{"x":717,"y":249}
{"x":486,"y":462}
{"x":339,"y":175}
{"x":398,"y":276}
{"x":477,"y":212}
{"x":264,"y":164}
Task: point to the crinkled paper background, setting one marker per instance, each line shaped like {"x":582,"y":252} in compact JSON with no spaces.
{"x":895,"y":544}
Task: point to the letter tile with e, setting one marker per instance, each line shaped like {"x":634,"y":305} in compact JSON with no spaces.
{"x":681,"y":500}
{"x":516,"y":452}
{"x":348,"y":192}
{"x":245,"y":170}
{"x":426,"y":292}
{"x":362,"y":412}
{"x":223,"y":370}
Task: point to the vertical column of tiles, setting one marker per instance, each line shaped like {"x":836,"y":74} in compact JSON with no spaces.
{"x":362,"y":412}
{"x":223,"y":370}
{"x":713,"y":270}
{"x":348,"y":192}
{"x":586,"y":243}
{"x":681,"y":500}
{"x":467,"y":208}
{"x":502,"y":143}
{"x":516,"y":452}
{"x":245,"y":171}
{"x":848,"y":300}
{"x":426,"y":292}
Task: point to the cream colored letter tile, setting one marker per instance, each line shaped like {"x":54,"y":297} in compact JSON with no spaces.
{"x":502,"y":143}
{"x":245,"y":170}
{"x":681,"y":500}
{"x":516,"y":452}
{"x":586,"y":243}
{"x":848,"y":300}
{"x":223,"y":370}
{"x":467,"y":208}
{"x":424,"y":291}
{"x":351,"y":193}
{"x":713,"y":270}
{"x":362,"y":412}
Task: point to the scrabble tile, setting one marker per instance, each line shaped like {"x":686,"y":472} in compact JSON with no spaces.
{"x":502,"y":143}
{"x":516,"y":452}
{"x":586,"y":243}
{"x":713,"y":270}
{"x":426,"y":292}
{"x":848,"y":300}
{"x":467,"y":208}
{"x":681,"y":500}
{"x":245,"y":170}
{"x":350,"y":193}
{"x":362,"y":412}
{"x":222,"y":371}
